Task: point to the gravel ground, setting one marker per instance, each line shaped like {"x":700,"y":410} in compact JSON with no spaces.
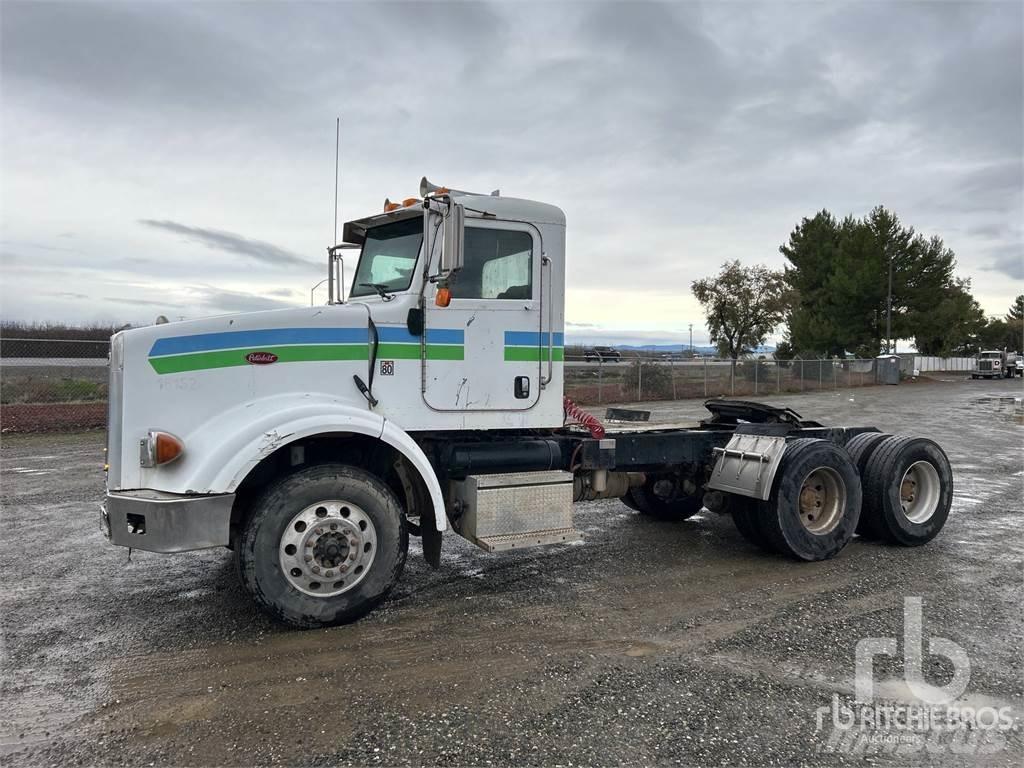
{"x":649,"y":642}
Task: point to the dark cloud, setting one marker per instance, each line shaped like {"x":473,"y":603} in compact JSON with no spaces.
{"x":1008,"y":260}
{"x":216,"y":300}
{"x":69,"y":295}
{"x":231,"y":243}
{"x":675,"y":135}
{"x":140,"y":53}
{"x":155,"y":305}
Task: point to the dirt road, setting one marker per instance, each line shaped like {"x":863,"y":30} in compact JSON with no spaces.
{"x":649,"y":642}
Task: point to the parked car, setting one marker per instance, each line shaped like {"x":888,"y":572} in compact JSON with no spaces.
{"x":602,"y":355}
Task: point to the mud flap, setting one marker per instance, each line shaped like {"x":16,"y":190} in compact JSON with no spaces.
{"x":431,"y":545}
{"x":747,"y":465}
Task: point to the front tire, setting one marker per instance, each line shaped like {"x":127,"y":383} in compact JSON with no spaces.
{"x":323,"y":546}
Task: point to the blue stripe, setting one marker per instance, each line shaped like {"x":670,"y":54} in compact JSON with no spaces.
{"x":532,"y":339}
{"x":400,"y":334}
{"x":446,"y":336}
{"x":205,"y":342}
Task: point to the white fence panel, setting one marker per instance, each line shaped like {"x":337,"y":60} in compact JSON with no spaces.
{"x":926,"y":363}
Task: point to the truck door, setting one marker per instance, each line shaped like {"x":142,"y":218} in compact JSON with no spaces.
{"x":486,"y":350}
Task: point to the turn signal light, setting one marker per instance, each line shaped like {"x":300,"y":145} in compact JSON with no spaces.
{"x":160,"y":448}
{"x":443,"y":297}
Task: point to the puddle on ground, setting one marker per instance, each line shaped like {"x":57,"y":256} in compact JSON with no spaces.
{"x":1006,"y":405}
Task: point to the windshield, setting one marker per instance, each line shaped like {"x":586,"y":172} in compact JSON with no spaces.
{"x":388,"y":258}
{"x":991,"y":355}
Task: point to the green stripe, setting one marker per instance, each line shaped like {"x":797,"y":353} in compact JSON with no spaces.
{"x":400,"y":351}
{"x":199,"y":361}
{"x":445,"y":352}
{"x":532,"y":354}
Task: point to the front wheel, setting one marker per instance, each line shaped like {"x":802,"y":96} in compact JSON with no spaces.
{"x":323,"y":546}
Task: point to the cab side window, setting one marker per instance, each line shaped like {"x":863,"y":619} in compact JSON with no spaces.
{"x":497,"y":264}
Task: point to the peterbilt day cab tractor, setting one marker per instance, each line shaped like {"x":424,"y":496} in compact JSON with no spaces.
{"x":314,"y":441}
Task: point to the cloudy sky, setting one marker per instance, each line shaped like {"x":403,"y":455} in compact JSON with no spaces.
{"x":179,"y":158}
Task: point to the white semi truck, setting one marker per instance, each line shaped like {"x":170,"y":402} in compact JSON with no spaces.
{"x":314,"y":441}
{"x":994,"y":364}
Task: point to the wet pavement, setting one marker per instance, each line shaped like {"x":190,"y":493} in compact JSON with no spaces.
{"x":648,"y":642}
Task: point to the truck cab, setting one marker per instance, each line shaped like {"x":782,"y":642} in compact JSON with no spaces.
{"x":991,"y":364}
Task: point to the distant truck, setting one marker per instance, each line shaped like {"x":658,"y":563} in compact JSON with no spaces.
{"x":995,"y":364}
{"x":602,"y":355}
{"x":1014,"y":365}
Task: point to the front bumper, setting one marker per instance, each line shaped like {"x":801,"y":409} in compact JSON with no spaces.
{"x":167,"y":522}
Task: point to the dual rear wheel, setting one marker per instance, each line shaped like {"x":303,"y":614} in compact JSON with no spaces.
{"x":890,"y":487}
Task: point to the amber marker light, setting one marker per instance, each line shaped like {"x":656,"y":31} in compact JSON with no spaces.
{"x":160,"y":448}
{"x":443,"y":297}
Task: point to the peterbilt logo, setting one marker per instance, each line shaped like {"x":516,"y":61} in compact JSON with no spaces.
{"x":261,"y":358}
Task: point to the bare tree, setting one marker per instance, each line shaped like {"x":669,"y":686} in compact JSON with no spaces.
{"x":743,"y":305}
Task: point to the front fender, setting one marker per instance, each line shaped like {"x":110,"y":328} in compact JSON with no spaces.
{"x":220,"y":454}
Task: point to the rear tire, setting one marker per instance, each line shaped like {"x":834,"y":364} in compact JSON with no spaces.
{"x":908,"y":490}
{"x":747,"y":519}
{"x":628,"y":501}
{"x":323,"y":546}
{"x":860,"y":447}
{"x":814,"y":506}
{"x":647,"y":502}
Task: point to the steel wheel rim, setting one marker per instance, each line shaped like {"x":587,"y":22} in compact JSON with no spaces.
{"x":920,"y":491}
{"x":327,"y":548}
{"x":822,"y":500}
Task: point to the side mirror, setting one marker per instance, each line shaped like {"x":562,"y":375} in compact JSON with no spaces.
{"x":454,"y":239}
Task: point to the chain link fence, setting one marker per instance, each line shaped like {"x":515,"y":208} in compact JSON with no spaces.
{"x":52,"y":384}
{"x":667,"y":378}
{"x":61,"y":384}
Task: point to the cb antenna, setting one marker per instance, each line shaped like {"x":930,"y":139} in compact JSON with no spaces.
{"x":337,"y":152}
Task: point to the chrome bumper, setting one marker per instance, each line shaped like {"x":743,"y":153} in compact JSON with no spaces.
{"x":167,"y":522}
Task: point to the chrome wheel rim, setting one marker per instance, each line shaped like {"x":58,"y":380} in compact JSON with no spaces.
{"x":920,"y":491}
{"x":822,"y":500}
{"x":327,"y":548}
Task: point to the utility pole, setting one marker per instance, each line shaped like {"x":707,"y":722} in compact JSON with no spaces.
{"x":888,"y":309}
{"x":691,"y":339}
